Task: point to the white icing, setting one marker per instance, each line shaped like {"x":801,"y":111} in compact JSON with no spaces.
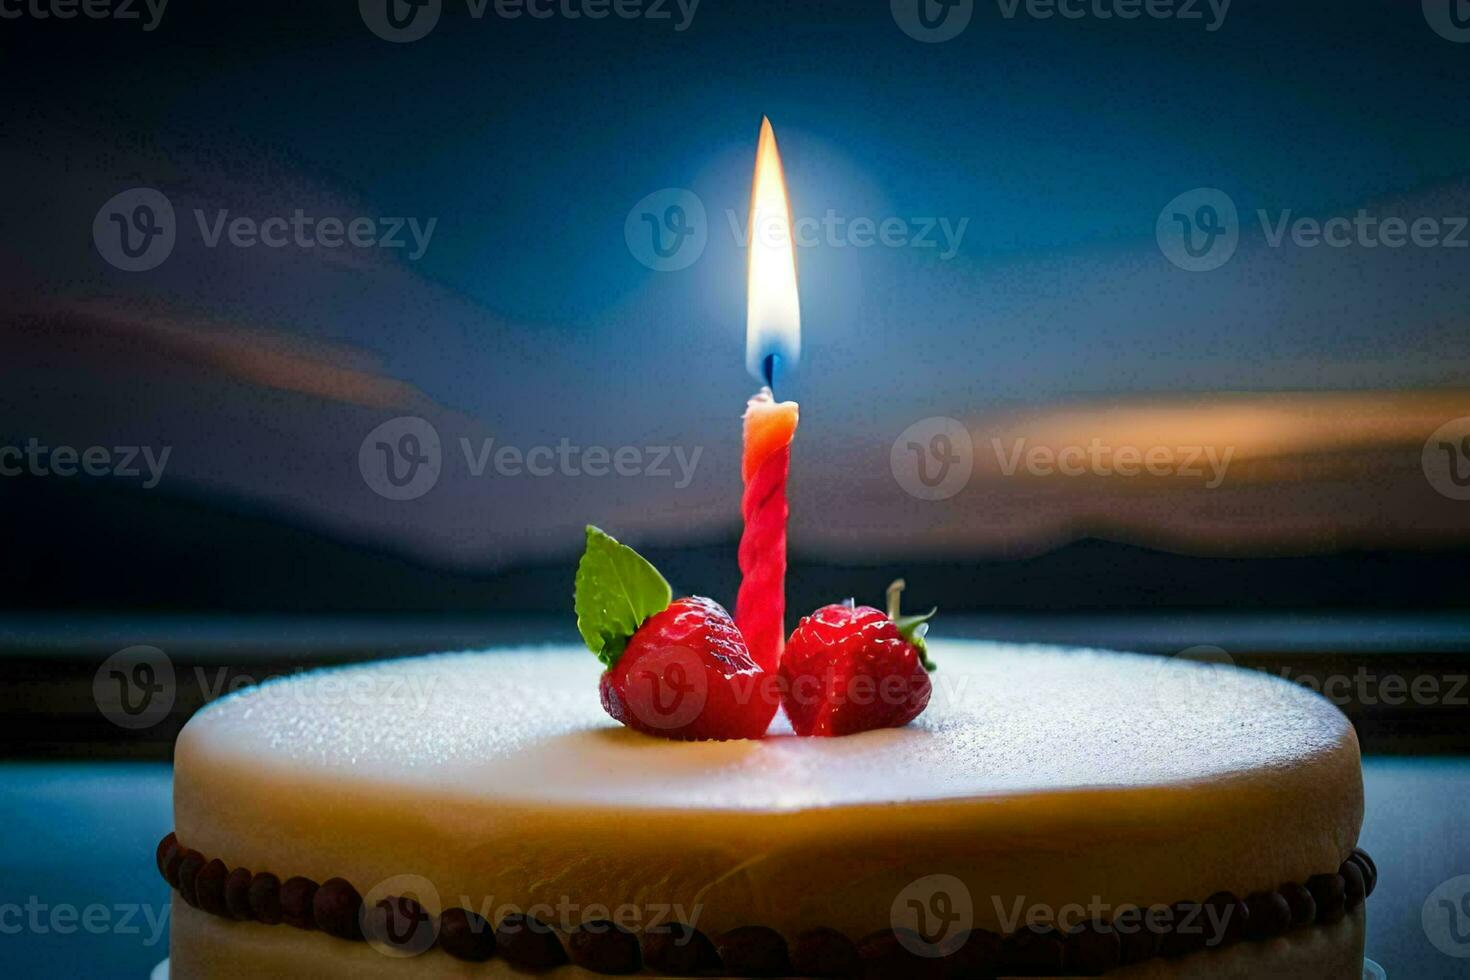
{"x":528,"y":725}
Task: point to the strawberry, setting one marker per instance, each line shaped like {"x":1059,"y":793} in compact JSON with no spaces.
{"x":850,"y":668}
{"x":687,"y":674}
{"x":677,"y":669}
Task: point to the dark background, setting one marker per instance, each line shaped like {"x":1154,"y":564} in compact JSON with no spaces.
{"x":528,"y":319}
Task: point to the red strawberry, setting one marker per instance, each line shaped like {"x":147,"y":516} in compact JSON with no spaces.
{"x":850,"y":668}
{"x":687,"y":674}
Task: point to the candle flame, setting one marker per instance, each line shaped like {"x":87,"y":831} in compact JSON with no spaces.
{"x":773,"y":310}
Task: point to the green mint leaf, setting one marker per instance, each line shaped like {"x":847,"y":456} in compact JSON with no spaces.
{"x":914,"y":629}
{"x":616,"y":590}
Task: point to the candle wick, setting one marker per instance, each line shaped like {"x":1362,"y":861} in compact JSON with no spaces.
{"x":768,"y":368}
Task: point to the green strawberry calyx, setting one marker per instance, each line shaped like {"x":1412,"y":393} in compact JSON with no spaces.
{"x":912,"y":628}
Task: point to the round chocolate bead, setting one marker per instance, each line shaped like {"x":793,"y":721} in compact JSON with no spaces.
{"x":1303,"y":905}
{"x":824,"y":953}
{"x":237,"y":893}
{"x":678,"y":950}
{"x":1186,"y":933}
{"x":297,"y":895}
{"x":466,"y":936}
{"x":336,"y":908}
{"x":1330,"y":894}
{"x":604,"y":947}
{"x":167,"y":848}
{"x":977,"y":954}
{"x":209,"y":887}
{"x":401,"y":924}
{"x":887,"y":954}
{"x":1370,"y":870}
{"x":1035,"y":950}
{"x":527,"y":942}
{"x":1270,"y":915}
{"x":1138,"y":932}
{"x":753,"y":951}
{"x":1367,"y":861}
{"x":265,"y":898}
{"x":1355,"y":886}
{"x":190,"y":864}
{"x":171,"y":864}
{"x":1227,"y":919}
{"x":1092,"y":950}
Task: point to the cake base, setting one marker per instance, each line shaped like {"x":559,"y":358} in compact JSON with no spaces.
{"x":1060,"y":783}
{"x":205,"y":946}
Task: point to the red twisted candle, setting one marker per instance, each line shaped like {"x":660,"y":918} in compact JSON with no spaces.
{"x":760,"y":608}
{"x":772,"y":338}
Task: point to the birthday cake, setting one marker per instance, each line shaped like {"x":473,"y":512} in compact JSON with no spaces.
{"x":1051,"y":812}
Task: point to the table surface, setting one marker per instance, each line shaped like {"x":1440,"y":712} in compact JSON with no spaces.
{"x":79,"y":895}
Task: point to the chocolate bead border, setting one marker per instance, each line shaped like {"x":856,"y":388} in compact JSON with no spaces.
{"x":334,"y":907}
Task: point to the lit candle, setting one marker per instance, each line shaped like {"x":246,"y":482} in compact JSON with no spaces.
{"x":772,"y":342}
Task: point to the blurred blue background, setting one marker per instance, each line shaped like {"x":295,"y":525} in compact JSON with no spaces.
{"x":1048,"y":149}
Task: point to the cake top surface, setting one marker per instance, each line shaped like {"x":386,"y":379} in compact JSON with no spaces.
{"x":1004,"y":720}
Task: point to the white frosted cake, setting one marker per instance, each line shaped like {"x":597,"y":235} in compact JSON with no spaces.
{"x":1051,"y":813}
